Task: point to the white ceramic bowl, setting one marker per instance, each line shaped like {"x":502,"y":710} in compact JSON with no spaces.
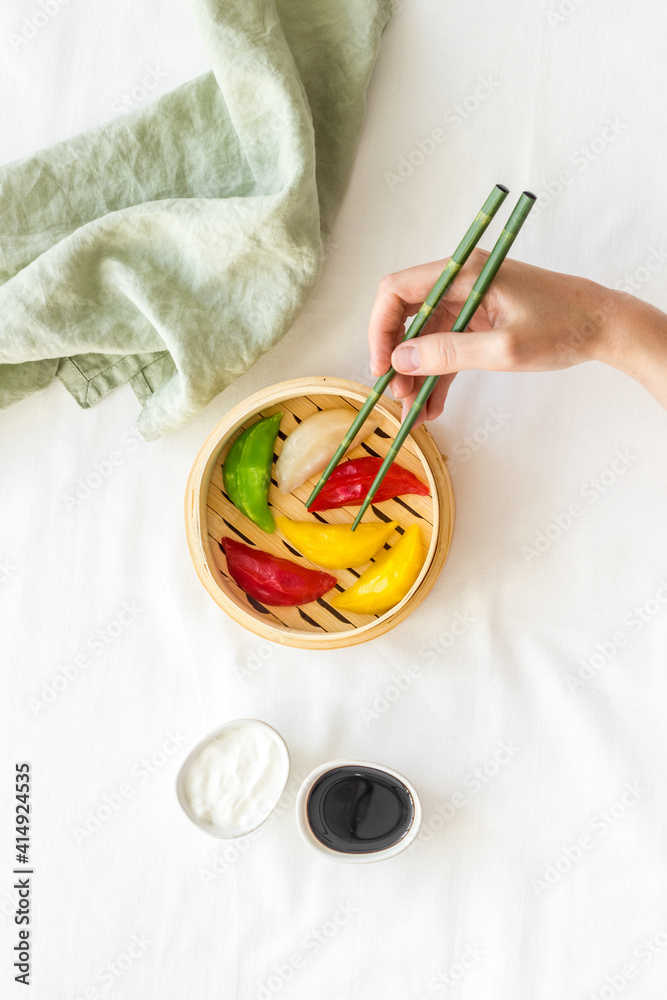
{"x":306,"y":831}
{"x":214,"y":831}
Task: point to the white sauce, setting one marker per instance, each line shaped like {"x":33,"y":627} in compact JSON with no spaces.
{"x":236,"y":780}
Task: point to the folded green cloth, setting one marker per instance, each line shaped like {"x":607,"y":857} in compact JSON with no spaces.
{"x":170,"y":248}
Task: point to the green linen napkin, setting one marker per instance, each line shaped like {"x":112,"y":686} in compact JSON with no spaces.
{"x":172,"y":247}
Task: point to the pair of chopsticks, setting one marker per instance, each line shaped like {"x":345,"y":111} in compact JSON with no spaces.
{"x":488,"y":273}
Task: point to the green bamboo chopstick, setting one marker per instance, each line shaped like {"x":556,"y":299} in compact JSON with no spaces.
{"x":456,"y":262}
{"x":479,"y":290}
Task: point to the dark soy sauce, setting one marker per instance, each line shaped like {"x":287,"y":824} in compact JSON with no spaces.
{"x":358,"y":810}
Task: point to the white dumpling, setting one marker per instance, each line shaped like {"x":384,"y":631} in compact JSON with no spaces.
{"x":308,"y":449}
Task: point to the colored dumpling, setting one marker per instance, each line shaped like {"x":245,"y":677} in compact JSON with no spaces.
{"x":386,"y":582}
{"x":349,"y":483}
{"x":272,"y":580}
{"x":309,"y":447}
{"x":246,"y":472}
{"x":336,"y":546}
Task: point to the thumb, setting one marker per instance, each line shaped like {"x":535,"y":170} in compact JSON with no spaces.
{"x":443,"y":353}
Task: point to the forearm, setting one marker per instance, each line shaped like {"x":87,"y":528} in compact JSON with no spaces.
{"x":635,"y":342}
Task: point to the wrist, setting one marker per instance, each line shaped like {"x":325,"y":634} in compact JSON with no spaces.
{"x":633,"y":339}
{"x":609,"y":311}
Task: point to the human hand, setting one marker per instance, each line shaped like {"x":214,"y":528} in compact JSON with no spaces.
{"x":529,"y":320}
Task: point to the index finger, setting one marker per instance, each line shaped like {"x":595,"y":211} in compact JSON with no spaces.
{"x":396,"y":293}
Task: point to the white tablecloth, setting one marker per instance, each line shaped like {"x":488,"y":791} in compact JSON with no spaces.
{"x":525,"y":698}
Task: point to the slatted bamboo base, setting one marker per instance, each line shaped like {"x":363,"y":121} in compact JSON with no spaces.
{"x":210,"y":515}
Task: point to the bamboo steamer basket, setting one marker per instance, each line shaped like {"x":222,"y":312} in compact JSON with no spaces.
{"x":210,"y":515}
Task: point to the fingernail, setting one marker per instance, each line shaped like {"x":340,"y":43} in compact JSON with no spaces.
{"x":395,"y":390}
{"x":406,"y":358}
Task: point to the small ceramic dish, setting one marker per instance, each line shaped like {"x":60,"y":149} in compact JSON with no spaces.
{"x":308,"y":834}
{"x":209,"y":828}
